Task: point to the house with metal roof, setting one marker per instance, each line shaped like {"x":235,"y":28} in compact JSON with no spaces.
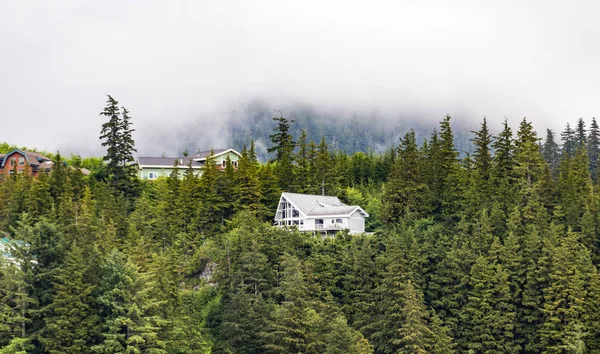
{"x":319,"y":214}
{"x":150,"y":168}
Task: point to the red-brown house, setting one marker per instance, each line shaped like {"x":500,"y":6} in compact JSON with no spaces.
{"x":19,"y":161}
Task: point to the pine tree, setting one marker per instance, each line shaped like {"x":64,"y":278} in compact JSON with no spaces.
{"x":593,"y":149}
{"x":451,"y":192}
{"x":191,"y":333}
{"x":504,"y":169}
{"x":116,"y":135}
{"x":415,"y":335}
{"x":489,"y":313}
{"x":16,"y":305}
{"x":283,"y":147}
{"x":210,"y":213}
{"x":564,"y":329}
{"x":551,"y":152}
{"x":402,"y":197}
{"x":290,"y":330}
{"x":575,"y":187}
{"x":129,"y":312}
{"x":70,"y":327}
{"x":58,"y":177}
{"x":581,"y":134}
{"x":247,"y":188}
{"x":483,"y":163}
{"x":569,"y":140}
{"x":302,"y":173}
{"x":324,"y":176}
{"x":270,"y":190}
{"x":528,"y":160}
{"x":39,"y":199}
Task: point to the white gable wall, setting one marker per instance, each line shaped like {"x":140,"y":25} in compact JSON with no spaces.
{"x":356,"y":222}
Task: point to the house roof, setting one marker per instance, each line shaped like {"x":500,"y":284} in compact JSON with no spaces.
{"x":33,"y":158}
{"x":321,"y":205}
{"x":197,"y":159}
{"x":167,"y":161}
{"x":202,"y":155}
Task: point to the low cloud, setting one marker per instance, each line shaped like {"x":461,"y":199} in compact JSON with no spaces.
{"x":186,"y":66}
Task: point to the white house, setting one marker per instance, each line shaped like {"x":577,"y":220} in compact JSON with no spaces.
{"x":319,"y":214}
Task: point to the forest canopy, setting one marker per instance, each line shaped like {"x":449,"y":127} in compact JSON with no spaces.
{"x":496,"y":251}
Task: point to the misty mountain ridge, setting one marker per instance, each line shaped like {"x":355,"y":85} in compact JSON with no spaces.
{"x":350,"y":132}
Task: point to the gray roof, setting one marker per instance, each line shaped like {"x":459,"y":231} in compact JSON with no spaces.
{"x":197,"y":159}
{"x":204,"y":154}
{"x":167,"y":162}
{"x":315,"y":205}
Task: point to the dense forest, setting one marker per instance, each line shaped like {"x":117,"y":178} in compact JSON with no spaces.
{"x":494,"y":252}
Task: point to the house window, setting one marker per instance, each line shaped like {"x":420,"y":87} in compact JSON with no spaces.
{"x":152,"y":175}
{"x":339,"y":221}
{"x":13,"y":162}
{"x":21,"y":161}
{"x":224,"y":163}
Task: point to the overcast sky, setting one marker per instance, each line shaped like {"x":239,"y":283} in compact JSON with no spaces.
{"x":173,"y":62}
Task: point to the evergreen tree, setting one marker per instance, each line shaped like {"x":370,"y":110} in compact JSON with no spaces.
{"x":593,"y":148}
{"x":402,"y":197}
{"x":70,"y":328}
{"x":16,"y":305}
{"x":302,"y":171}
{"x":581,"y":134}
{"x":247,"y":188}
{"x":504,"y":169}
{"x":283,"y":147}
{"x":130,"y":319}
{"x":569,"y":140}
{"x":116,"y":135}
{"x":564,"y":329}
{"x":483,"y":163}
{"x":551,"y":152}
{"x":415,"y":335}
{"x":291,"y":328}
{"x":489,"y":313}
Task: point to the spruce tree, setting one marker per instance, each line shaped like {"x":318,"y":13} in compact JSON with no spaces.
{"x":483,"y":163}
{"x":283,"y":147}
{"x":131,"y":322}
{"x":569,"y":141}
{"x":402,"y":197}
{"x":581,"y":134}
{"x":116,"y":136}
{"x":16,"y":305}
{"x":551,"y":152}
{"x":415,"y":335}
{"x":504,"y":168}
{"x":291,"y":327}
{"x":489,"y":314}
{"x":593,"y":149}
{"x":564,"y":329}
{"x":70,"y":327}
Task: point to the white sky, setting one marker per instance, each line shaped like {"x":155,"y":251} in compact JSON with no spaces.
{"x":178,"y":62}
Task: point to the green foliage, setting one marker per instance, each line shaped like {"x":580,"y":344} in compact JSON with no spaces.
{"x":493,"y":252}
{"x":116,"y":135}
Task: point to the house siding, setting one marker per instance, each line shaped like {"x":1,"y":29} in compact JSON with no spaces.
{"x":143,"y":172}
{"x":356,"y":222}
{"x":6,"y":171}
